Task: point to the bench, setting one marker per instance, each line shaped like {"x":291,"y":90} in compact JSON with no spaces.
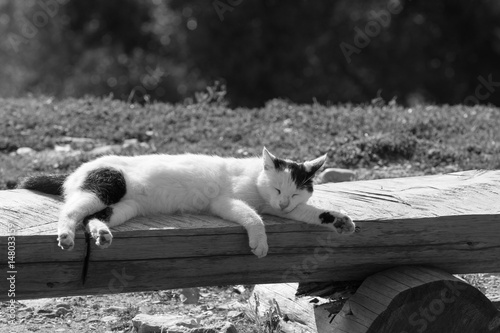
{"x":415,"y":233}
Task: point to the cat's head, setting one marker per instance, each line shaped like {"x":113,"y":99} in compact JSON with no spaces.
{"x":284,"y":183}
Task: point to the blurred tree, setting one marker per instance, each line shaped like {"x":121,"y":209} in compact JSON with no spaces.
{"x":333,"y":51}
{"x":122,"y":47}
{"x":431,"y":51}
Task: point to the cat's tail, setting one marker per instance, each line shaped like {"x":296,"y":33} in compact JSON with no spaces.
{"x":49,"y":184}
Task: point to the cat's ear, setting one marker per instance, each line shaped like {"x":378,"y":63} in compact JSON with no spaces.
{"x":316,"y":164}
{"x":268,"y":159}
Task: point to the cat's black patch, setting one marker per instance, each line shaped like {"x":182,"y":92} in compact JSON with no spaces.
{"x":280,"y":164}
{"x":50,"y":184}
{"x":326,"y":218}
{"x":302,"y":178}
{"x":103,"y":215}
{"x":107,"y":183}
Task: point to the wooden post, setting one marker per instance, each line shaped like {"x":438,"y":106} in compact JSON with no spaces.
{"x":449,"y":221}
{"x":415,"y":299}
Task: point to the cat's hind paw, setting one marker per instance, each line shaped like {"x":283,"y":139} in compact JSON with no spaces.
{"x":101,"y":234}
{"x":341,"y":223}
{"x":103,"y":238}
{"x":66,"y":241}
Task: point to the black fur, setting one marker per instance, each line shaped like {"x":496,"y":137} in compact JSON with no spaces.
{"x":301,"y":177}
{"x":107,"y":183}
{"x":326,"y":218}
{"x":103,"y":215}
{"x":280,"y":164}
{"x":50,"y":184}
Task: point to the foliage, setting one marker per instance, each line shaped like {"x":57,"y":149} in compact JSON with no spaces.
{"x":124,"y":48}
{"x":293,"y":49}
{"x":269,"y":319}
{"x":428,"y":51}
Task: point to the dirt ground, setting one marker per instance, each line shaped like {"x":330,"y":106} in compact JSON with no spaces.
{"x":207,"y":307}
{"x":113,"y":313}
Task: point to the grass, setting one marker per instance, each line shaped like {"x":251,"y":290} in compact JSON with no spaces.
{"x":270,"y":321}
{"x":374,"y":139}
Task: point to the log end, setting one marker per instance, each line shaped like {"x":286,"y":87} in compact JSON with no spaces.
{"x":416,"y":299}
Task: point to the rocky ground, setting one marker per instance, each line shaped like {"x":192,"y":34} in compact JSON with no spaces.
{"x":195,"y":310}
{"x":215,"y":309}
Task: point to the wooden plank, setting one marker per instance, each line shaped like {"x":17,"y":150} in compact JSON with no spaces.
{"x":447,"y":221}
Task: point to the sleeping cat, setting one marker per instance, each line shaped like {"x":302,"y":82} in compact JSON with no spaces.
{"x":110,"y":190}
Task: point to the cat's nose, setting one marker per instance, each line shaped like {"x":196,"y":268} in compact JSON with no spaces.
{"x":284,"y":204}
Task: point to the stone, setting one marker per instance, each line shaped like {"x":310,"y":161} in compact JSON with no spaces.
{"x":63,"y":305}
{"x":239,"y":289}
{"x":109,"y":319}
{"x":38,"y":304}
{"x":190,"y":295}
{"x":133,"y":145}
{"x":145,"y":323}
{"x":62,"y":148}
{"x":106,"y":150}
{"x":145,"y":309}
{"x":226,"y":327}
{"x":116,"y":309}
{"x":61,"y":312}
{"x":234,"y":305}
{"x":130,"y":143}
{"x":25,"y":151}
{"x":335,"y":175}
{"x":234,"y":314}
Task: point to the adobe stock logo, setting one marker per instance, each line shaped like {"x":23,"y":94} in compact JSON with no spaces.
{"x":378,"y":20}
{"x":225,"y":6}
{"x":429,"y":312}
{"x":120,"y":281}
{"x":30,"y":26}
{"x":483,"y":91}
{"x":150,"y":81}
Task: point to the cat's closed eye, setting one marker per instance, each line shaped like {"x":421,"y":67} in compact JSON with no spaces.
{"x":294,"y":195}
{"x":279,"y":192}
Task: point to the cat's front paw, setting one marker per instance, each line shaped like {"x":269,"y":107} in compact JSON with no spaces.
{"x":258,"y":244}
{"x":341,"y":223}
{"x":66,"y":240}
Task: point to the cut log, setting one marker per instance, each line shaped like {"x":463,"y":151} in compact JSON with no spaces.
{"x":297,"y":313}
{"x":447,"y":221}
{"x":414,"y":299}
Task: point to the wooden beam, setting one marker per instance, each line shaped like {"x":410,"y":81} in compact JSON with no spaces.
{"x":449,"y":221}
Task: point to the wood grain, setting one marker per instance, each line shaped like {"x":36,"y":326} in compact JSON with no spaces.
{"x":447,"y":221}
{"x":427,"y":300}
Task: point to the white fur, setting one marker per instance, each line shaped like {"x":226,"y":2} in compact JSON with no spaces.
{"x":234,"y":189}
